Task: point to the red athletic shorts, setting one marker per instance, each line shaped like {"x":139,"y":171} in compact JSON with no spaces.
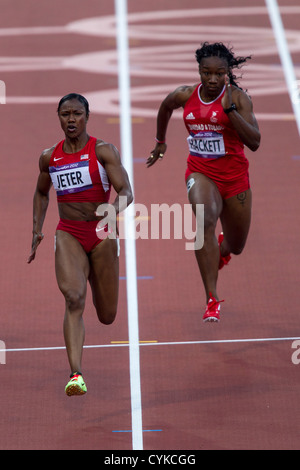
{"x":228,"y":188}
{"x":84,"y":232}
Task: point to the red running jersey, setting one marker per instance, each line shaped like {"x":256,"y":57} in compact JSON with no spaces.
{"x":216,"y":149}
{"x":79,"y":177}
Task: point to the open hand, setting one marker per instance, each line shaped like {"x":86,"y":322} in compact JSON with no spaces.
{"x":156,"y":154}
{"x":36,"y":240}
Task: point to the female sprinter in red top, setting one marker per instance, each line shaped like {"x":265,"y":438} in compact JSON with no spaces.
{"x":82,"y":170}
{"x":219,"y":119}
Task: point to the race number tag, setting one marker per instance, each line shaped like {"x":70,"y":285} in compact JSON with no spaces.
{"x":207,"y":145}
{"x":71,"y":178}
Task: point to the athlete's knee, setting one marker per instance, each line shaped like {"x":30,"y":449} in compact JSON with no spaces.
{"x":237,"y":250}
{"x":75,"y":300}
{"x":107,"y":317}
{"x":209,"y":222}
{"x":235,"y":243}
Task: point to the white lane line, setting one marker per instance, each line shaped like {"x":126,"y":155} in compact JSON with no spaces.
{"x":221,"y":341}
{"x":285,"y":57}
{"x":130,"y":248}
{"x":163,"y":343}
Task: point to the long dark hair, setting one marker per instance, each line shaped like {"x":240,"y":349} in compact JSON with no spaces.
{"x":75,"y":96}
{"x":218,"y":49}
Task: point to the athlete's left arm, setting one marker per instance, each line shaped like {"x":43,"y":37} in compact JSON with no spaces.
{"x":245,"y":122}
{"x":109,"y":157}
{"x":243,"y":119}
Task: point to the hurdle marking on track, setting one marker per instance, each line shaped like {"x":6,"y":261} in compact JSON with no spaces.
{"x":127,"y":342}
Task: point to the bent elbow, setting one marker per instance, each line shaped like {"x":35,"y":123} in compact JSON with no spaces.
{"x":130,"y":198}
{"x":254,"y":144}
{"x":255,"y":147}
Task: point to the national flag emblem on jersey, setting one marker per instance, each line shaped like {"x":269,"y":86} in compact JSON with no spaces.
{"x":85,"y":157}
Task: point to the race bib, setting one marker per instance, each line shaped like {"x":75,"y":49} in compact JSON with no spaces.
{"x":207,"y":145}
{"x":71,"y":178}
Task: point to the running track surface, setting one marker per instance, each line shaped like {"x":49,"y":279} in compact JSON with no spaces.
{"x":200,"y":393}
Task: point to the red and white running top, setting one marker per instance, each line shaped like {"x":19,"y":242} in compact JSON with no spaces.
{"x":79,"y":177}
{"x":215,"y":148}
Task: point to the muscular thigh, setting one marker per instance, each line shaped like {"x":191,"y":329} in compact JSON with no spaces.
{"x":104,"y":278}
{"x":71,"y":264}
{"x":236,"y":218}
{"x":202,"y":190}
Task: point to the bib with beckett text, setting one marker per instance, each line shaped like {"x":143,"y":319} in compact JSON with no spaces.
{"x":207,"y":145}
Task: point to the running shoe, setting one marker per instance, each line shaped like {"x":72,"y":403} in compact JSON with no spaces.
{"x":76,"y":386}
{"x":223,"y":259}
{"x":212,"y":312}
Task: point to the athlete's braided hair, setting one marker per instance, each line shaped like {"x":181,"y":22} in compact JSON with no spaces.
{"x":218,"y":49}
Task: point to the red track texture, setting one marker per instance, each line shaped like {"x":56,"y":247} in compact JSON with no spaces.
{"x":207,"y":395}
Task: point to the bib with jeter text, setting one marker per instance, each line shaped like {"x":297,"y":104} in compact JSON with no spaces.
{"x":71,"y":178}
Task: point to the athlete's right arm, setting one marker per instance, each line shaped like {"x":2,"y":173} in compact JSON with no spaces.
{"x":40,"y":202}
{"x":175,"y":100}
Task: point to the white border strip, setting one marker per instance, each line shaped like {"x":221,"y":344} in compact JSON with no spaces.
{"x":285,"y":57}
{"x":130,"y":248}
